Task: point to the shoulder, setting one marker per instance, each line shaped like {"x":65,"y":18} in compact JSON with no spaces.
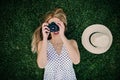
{"x":73,"y":42}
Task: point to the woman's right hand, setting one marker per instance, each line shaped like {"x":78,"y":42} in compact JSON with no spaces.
{"x":45,"y":30}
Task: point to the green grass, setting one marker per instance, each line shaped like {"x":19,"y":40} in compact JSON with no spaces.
{"x":19,"y":19}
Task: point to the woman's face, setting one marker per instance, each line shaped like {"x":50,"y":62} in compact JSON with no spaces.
{"x":57,"y":21}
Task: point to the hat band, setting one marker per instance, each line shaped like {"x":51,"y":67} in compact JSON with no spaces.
{"x":90,"y":39}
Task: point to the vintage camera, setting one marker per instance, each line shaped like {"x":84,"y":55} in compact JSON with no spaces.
{"x":53,"y":27}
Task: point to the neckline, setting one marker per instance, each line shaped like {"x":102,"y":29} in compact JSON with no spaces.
{"x":58,"y":54}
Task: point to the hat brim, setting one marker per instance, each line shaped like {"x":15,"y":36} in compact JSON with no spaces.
{"x":91,"y":29}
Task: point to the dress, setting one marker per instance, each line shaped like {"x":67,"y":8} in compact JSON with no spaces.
{"x":59,"y":67}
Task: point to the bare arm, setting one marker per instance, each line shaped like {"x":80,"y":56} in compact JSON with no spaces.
{"x":72,"y":49}
{"x":42,"y":54}
{"x":42,"y":47}
{"x":70,"y":45}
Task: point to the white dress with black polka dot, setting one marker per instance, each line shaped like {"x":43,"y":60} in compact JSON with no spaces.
{"x":59,"y":67}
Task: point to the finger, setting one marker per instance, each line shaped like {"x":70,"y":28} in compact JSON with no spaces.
{"x":62,"y":24}
{"x":59,"y":24}
{"x":46,"y":31}
{"x":44,"y":24}
{"x":46,"y":28}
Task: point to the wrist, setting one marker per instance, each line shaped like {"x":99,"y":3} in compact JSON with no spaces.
{"x":45,"y":39}
{"x":63,"y":37}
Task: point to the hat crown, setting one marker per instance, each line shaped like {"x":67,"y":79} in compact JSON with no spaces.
{"x":97,"y":38}
{"x":100,"y":40}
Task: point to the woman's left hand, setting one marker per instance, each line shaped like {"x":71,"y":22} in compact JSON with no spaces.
{"x":62,"y":28}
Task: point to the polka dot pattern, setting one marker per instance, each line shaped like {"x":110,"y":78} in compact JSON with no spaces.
{"x":59,"y":67}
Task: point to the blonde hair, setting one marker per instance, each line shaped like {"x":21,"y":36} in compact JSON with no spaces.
{"x":37,"y":35}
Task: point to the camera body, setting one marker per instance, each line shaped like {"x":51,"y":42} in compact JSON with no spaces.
{"x":53,"y":27}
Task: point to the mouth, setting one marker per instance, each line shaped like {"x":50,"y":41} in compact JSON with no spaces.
{"x":56,"y":33}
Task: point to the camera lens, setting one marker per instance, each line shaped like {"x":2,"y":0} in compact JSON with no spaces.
{"x":53,"y":27}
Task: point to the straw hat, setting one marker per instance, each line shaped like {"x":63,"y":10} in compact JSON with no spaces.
{"x":97,"y":38}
